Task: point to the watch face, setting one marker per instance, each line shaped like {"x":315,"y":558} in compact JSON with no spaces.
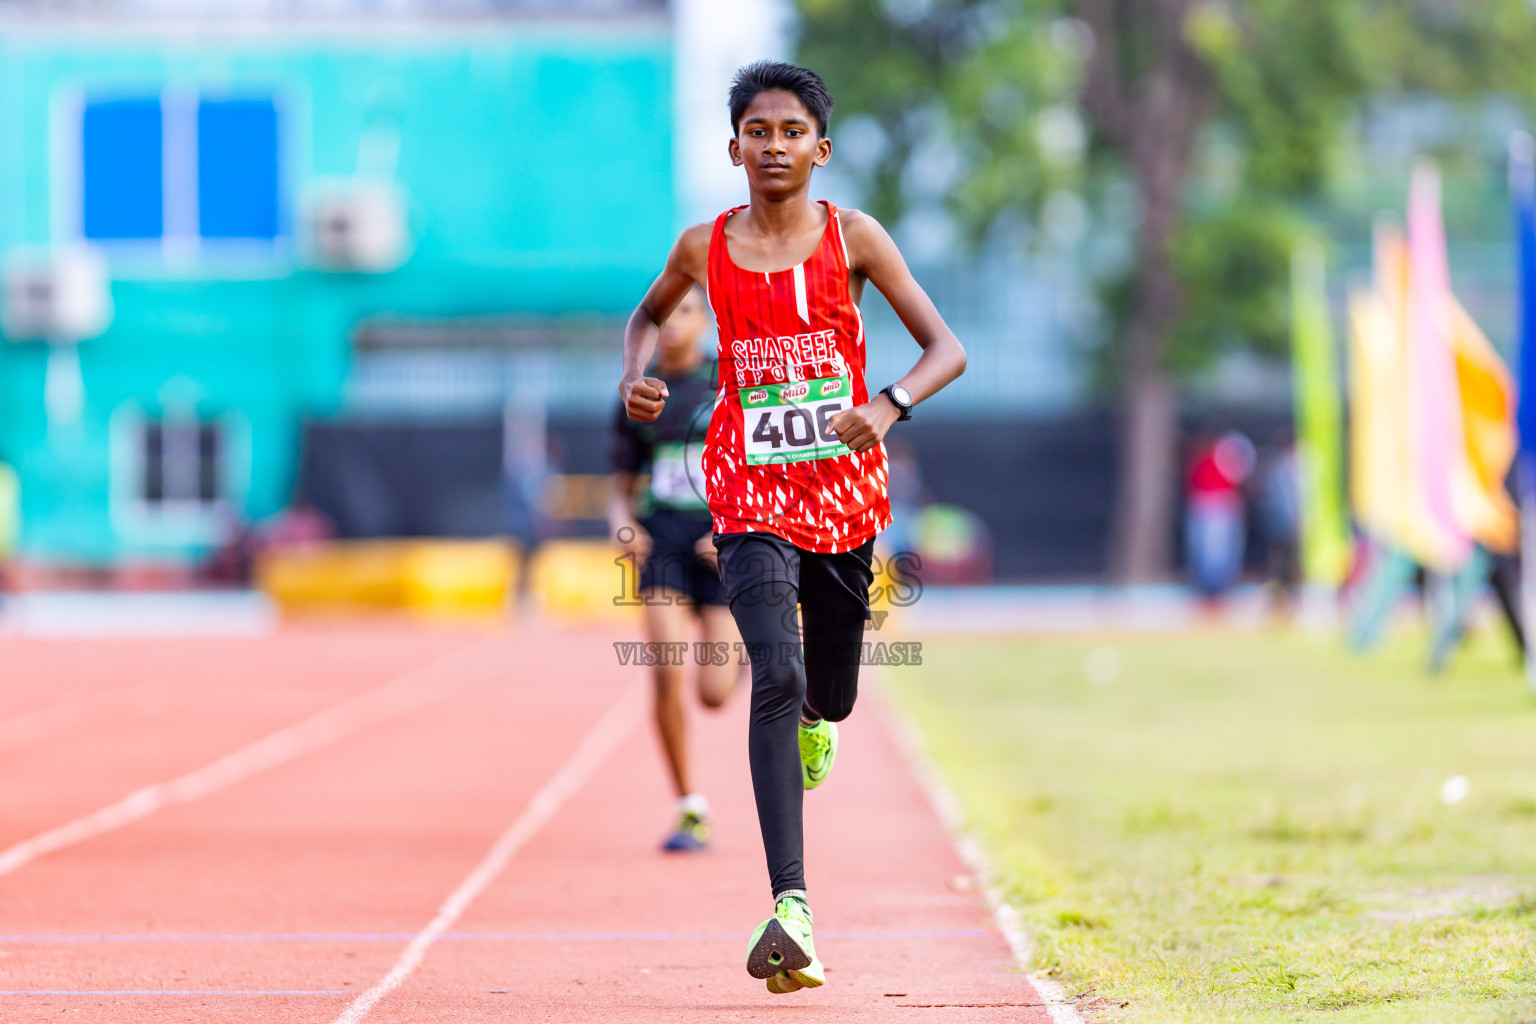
{"x":902,"y":395}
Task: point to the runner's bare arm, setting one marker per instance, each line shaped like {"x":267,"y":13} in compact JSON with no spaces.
{"x":873,"y":256}
{"x":688,"y":262}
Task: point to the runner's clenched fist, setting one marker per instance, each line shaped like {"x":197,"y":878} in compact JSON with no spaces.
{"x":864,"y":426}
{"x":644,"y":398}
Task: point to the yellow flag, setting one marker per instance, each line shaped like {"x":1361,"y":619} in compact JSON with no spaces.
{"x":1378,"y":422}
{"x":1378,"y":394}
{"x":1482,"y":503}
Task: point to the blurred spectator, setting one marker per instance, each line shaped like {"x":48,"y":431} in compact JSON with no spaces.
{"x":1279,"y":519}
{"x":233,"y":562}
{"x":300,"y":523}
{"x":954,"y":544}
{"x":529,"y":471}
{"x":1462,"y":593}
{"x":1213,"y":524}
{"x":1504,"y":578}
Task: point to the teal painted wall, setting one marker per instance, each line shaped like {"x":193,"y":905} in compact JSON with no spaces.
{"x":537,"y":157}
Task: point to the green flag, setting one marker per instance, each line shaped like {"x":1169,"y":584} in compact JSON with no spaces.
{"x":1319,"y":422}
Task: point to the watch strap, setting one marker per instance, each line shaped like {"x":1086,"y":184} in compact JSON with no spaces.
{"x":905,"y":410}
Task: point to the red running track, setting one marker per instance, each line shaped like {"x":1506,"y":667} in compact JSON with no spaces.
{"x":287,"y":881}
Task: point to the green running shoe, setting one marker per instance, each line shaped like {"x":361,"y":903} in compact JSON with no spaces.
{"x":781,"y":951}
{"x":818,"y":749}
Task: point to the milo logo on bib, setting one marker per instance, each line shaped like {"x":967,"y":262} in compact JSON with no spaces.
{"x":793,"y":422}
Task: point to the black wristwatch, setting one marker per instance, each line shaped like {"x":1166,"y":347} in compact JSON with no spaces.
{"x":900,"y":397}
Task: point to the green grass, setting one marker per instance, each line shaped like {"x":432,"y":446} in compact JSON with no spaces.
{"x":1248,"y":827}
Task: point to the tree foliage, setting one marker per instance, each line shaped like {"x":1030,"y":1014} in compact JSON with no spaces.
{"x":1010,"y":87}
{"x":1223,"y":116}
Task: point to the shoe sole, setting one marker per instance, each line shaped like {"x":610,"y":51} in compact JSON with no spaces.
{"x":775,"y":951}
{"x":784,"y":983}
{"x":805,"y":980}
{"x":680,"y":845}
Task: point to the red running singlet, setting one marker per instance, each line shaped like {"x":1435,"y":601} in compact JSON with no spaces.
{"x":791,"y":358}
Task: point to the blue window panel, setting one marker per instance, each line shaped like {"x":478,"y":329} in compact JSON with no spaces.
{"x":120,"y":149}
{"x":237,"y":169}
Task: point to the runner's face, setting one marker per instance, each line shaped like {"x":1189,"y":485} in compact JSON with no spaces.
{"x":680,"y":333}
{"x":778,"y":143}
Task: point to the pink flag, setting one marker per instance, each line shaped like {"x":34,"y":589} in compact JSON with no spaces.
{"x":1436,"y":447}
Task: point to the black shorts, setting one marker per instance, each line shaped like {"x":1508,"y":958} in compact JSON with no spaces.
{"x":674,"y":563}
{"x":747,"y":559}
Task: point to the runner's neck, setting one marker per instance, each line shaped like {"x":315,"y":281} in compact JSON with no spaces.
{"x":791,"y":215}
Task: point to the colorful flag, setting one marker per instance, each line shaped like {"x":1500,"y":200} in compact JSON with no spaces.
{"x":1319,"y":422}
{"x":1481,"y":501}
{"x":1432,"y":426}
{"x":1436,"y":438}
{"x":1522,"y":184}
{"x":1378,"y":393}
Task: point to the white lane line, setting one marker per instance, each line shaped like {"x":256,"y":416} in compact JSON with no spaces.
{"x":588,"y":756}
{"x":400,"y":696}
{"x":942,"y":799}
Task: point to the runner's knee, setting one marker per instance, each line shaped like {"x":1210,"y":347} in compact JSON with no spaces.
{"x":778,"y":678}
{"x":832,"y":690}
{"x":778,"y":683}
{"x":838,"y":711}
{"x":832,"y":670}
{"x":716,"y":684}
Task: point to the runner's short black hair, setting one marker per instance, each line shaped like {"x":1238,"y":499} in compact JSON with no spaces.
{"x":768,"y":75}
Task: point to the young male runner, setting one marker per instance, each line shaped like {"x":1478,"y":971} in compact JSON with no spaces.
{"x":794,"y":465}
{"x":667,"y":530}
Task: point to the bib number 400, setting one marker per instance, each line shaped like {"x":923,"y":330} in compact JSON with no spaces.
{"x":797,"y":428}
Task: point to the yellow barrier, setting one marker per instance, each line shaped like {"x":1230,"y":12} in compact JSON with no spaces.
{"x":578,"y":580}
{"x":448,"y":577}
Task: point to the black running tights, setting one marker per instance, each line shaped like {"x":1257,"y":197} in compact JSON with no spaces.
{"x":822,"y":682}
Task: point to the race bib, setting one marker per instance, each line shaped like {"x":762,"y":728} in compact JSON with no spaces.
{"x":793,"y":422}
{"x":677,"y":475}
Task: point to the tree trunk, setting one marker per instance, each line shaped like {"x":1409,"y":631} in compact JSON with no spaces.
{"x":1142,"y":537}
{"x":1156,"y":131}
